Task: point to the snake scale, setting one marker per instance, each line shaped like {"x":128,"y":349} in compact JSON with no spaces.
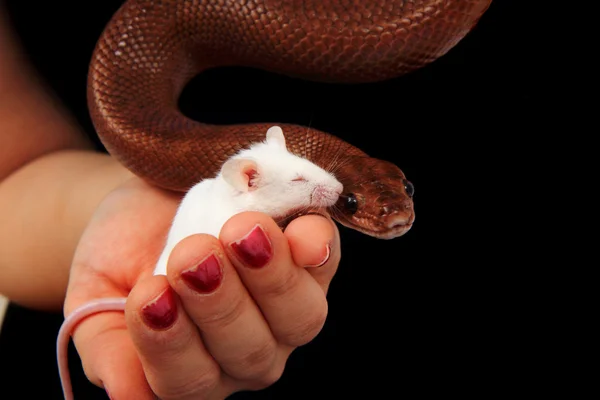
{"x":151,"y":49}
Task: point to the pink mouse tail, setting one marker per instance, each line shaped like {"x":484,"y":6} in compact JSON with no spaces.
{"x":64,"y":334}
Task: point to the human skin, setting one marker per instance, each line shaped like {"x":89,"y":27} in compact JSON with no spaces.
{"x":47,"y":165}
{"x":75,"y":225}
{"x":206,"y":344}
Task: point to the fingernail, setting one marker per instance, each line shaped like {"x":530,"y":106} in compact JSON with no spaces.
{"x":254,"y":249}
{"x":328,"y":253}
{"x":161,"y":312}
{"x":108,"y":394}
{"x":206,"y":276}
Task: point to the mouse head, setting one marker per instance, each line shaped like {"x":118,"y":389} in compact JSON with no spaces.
{"x":274,"y":181}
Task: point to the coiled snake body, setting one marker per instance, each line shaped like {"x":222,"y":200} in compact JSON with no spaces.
{"x":151,"y":49}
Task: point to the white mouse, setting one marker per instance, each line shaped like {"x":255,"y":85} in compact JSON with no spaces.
{"x":266,"y":177}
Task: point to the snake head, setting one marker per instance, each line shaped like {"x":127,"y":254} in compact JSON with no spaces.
{"x":377,"y":199}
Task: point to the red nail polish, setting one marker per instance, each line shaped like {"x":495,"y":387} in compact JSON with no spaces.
{"x":206,"y":276}
{"x":161,"y":312}
{"x":254,"y":249}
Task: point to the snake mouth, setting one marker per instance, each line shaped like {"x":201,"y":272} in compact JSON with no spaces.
{"x":397,"y":231}
{"x":391,"y":232}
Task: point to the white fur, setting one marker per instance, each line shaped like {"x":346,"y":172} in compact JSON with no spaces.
{"x":209,"y":204}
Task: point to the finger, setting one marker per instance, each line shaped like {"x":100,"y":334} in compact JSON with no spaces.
{"x":292,"y":301}
{"x":231,"y":325}
{"x":315,"y":244}
{"x":175,"y":361}
{"x":104,"y":345}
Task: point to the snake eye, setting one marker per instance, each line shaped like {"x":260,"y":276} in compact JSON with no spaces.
{"x":351,"y":204}
{"x":410,"y":189}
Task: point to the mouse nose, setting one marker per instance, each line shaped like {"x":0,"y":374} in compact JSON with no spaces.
{"x":339,"y":188}
{"x":324,"y":196}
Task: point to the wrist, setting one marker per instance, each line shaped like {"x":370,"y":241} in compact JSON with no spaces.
{"x":44,"y":208}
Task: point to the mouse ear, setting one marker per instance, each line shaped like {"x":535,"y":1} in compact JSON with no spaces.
{"x":275,"y":135}
{"x":241,"y":173}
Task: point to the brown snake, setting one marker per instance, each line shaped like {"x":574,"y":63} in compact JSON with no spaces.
{"x":151,"y":49}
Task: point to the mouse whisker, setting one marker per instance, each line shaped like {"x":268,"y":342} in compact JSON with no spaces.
{"x":285,"y":220}
{"x":335,"y":212}
{"x":337,"y":161}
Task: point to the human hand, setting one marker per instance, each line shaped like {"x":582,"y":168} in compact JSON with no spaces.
{"x":234,"y":333}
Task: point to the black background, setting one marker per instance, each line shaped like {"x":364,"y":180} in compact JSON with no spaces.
{"x":412,"y":316}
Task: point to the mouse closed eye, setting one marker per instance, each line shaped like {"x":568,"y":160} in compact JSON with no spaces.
{"x":321,"y":186}
{"x":282,"y":182}
{"x":265,"y":177}
{"x":299,"y":178}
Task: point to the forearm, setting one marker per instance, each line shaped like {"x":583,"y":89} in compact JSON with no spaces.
{"x":44,"y":208}
{"x":32,"y":122}
{"x":41,"y":211}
